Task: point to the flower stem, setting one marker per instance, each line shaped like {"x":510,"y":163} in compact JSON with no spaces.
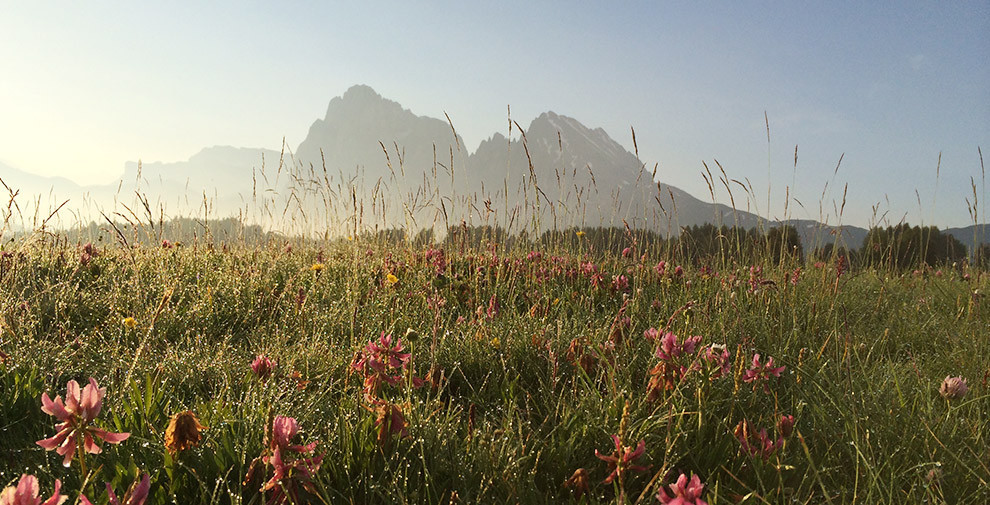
{"x":80,"y":448}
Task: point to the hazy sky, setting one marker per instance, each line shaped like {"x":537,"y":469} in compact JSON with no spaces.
{"x":87,"y":86}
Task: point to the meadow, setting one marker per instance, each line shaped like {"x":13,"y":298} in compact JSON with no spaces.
{"x":371,"y":371}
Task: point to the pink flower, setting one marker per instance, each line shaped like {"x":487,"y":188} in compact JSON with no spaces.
{"x":622,"y":459}
{"x":620,"y":283}
{"x":136,"y":495}
{"x":785,"y":426}
{"x":756,"y":443}
{"x":291,"y":468}
{"x":718,"y":357}
{"x":685,"y":492}
{"x":588,"y":268}
{"x":953,"y":388}
{"x":389,"y":420}
{"x":76,"y":416}
{"x":263,"y":367}
{"x":670,"y":349}
{"x":757,"y":372}
{"x":661,"y":268}
{"x":384,"y":354}
{"x":26,"y":493}
{"x":284,"y":429}
{"x":651,"y":334}
{"x":597,"y":281}
{"x":795,"y":276}
{"x":383,"y":362}
{"x":493,"y":307}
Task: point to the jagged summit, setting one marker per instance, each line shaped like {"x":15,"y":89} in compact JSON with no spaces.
{"x":363,"y":100}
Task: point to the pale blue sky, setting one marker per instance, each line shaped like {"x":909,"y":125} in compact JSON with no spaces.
{"x":87,"y":86}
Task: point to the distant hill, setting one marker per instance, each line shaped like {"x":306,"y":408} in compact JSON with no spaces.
{"x":971,"y":235}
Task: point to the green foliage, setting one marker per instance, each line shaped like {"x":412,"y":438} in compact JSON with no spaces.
{"x":509,"y":413}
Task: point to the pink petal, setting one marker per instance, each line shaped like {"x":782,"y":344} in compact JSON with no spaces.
{"x":310,"y":447}
{"x":54,"y":408}
{"x":638,"y":452}
{"x":90,"y":445}
{"x":663,"y":496}
{"x":56,"y":499}
{"x":611,"y":477}
{"x":92,"y":400}
{"x":72,"y":395}
{"x":67,"y":450}
{"x":695,"y":487}
{"x":27,"y":487}
{"x":681,"y":484}
{"x":109,"y":437}
{"x":84,"y":501}
{"x":283,"y":429}
{"x":57,"y":440}
{"x":140,"y":492}
{"x":112,"y":495}
{"x":608,"y":459}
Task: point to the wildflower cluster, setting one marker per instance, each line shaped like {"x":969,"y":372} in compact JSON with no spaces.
{"x":757,"y":443}
{"x":622,"y":459}
{"x":679,"y":357}
{"x":382,"y":363}
{"x":760,"y":374}
{"x":683,"y":492}
{"x":292,"y":464}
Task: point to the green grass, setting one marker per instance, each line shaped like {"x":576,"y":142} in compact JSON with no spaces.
{"x":512,"y":418}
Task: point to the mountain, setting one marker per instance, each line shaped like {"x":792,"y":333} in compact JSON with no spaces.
{"x":32,"y":184}
{"x":401,"y":163}
{"x":971,"y":235}
{"x":368,"y":162}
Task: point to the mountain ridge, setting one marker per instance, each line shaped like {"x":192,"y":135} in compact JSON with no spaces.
{"x":414,"y":168}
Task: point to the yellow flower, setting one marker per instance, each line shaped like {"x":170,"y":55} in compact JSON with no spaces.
{"x":317,"y":267}
{"x":579,"y":233}
{"x":495,"y":341}
{"x":391,"y":279}
{"x":129,"y":323}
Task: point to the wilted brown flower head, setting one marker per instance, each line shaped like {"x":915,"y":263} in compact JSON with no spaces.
{"x":580,"y":356}
{"x":578,"y":482}
{"x":953,"y":388}
{"x":183,"y":432}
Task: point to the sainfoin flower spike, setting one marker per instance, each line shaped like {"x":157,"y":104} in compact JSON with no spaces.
{"x":622,"y":459}
{"x":758,"y":372}
{"x":291,"y":464}
{"x":26,"y":493}
{"x":76,"y":416}
{"x":685,"y":492}
{"x":263,"y":367}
